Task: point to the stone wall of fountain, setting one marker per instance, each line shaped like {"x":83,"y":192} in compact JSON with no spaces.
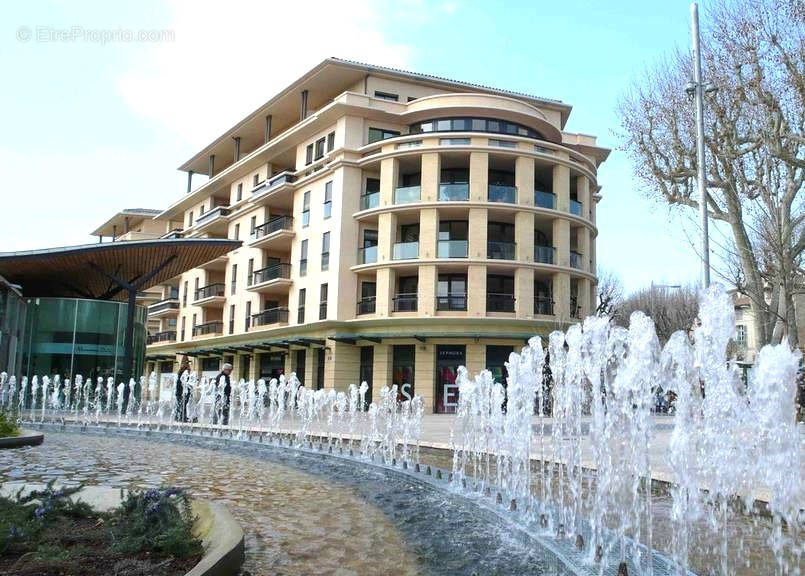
{"x":727,"y":439}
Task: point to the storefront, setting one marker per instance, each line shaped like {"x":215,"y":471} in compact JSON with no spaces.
{"x":448,"y":359}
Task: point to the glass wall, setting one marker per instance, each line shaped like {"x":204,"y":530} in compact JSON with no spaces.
{"x":68,"y":336}
{"x":12,"y":326}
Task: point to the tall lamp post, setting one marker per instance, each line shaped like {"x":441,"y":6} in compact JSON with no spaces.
{"x":698,"y":88}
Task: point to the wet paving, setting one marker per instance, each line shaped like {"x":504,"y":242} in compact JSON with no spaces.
{"x":301,"y":515}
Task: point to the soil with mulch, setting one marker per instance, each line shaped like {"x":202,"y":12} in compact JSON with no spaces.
{"x":83,"y":547}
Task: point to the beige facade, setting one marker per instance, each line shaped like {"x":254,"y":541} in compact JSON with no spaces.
{"x":394,"y":226}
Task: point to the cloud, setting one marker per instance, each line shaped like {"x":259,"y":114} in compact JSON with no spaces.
{"x":224,"y":63}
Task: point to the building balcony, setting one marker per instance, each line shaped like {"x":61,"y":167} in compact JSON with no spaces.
{"x":576,"y":260}
{"x":272,"y":279}
{"x":544,"y":199}
{"x":457,"y":192}
{"x":501,"y":193}
{"x":500,"y":302}
{"x":544,"y":254}
{"x":405,"y":251}
{"x":272,"y":184}
{"x":367,"y":255}
{"x":369,"y":201}
{"x":453,"y":249}
{"x":269,"y":317}
{"x":212,"y":295}
{"x":162,"y":337}
{"x":212,"y":222}
{"x":407,"y":194}
{"x":164,"y":308}
{"x":576,"y":207}
{"x":405,"y":302}
{"x":452,"y":302}
{"x":173,"y":234}
{"x":543,"y":305}
{"x":366,"y":305}
{"x":276,"y":233}
{"x":501,"y":250}
{"x":209,"y":329}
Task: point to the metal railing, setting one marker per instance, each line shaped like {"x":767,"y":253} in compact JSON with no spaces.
{"x":367,"y":255}
{"x":544,"y":254}
{"x":273,"y":225}
{"x":166,"y":336}
{"x":273,"y":272}
{"x":162,"y":305}
{"x":216,"y":327}
{"x":452,"y":301}
{"x":367,"y":305}
{"x":270,"y":316}
{"x":405,"y":302}
{"x":214,"y":213}
{"x":575,"y":259}
{"x":407,"y":194}
{"x":405,"y":251}
{"x":545,"y":199}
{"x":370,"y":200}
{"x":496,"y":302}
{"x":452,"y":249}
{"x":543,"y":305}
{"x":454,"y":192}
{"x":210,"y":291}
{"x":501,"y":250}
{"x":502,"y":193}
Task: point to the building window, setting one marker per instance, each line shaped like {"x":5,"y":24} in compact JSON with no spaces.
{"x":411,"y":98}
{"x":330,"y":141}
{"x":250,"y":272}
{"x":325,"y":251}
{"x":201,"y":210}
{"x":300,"y":358}
{"x":309,"y":154}
{"x":240,"y":192}
{"x":233,"y":282}
{"x":306,"y":209}
{"x":366,"y":305}
{"x":496,"y":358}
{"x":248,"y":315}
{"x":386,"y":96}
{"x":475,"y":125}
{"x":451,"y":292}
{"x":252,"y":225}
{"x":454,"y":141}
{"x":320,"y":356}
{"x":194,"y":324}
{"x":184,"y":297}
{"x":319,"y":149}
{"x":378,"y":134}
{"x":303,"y":259}
{"x":403,"y":370}
{"x":328,"y":199}
{"x":232,"y":319}
{"x":300,"y":314}
{"x":190,"y":219}
{"x":237,"y":231}
{"x":323,"y":302}
{"x":740,"y":335}
{"x":184,"y":318}
{"x":255,"y":180}
{"x":366,"y":372}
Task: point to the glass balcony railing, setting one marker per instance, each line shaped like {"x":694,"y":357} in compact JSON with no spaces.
{"x":273,"y":225}
{"x":452,"y":301}
{"x":210,"y":291}
{"x":208,"y":328}
{"x":407,"y":194}
{"x":576,"y":207}
{"x":371,"y":200}
{"x":544,"y":199}
{"x":544,"y":254}
{"x":453,"y":249}
{"x":543,"y":305}
{"x":454,"y":192}
{"x":166,"y":336}
{"x":405,"y":251}
{"x":575,"y":260}
{"x":500,"y":193}
{"x":164,"y":305}
{"x":367,"y":305}
{"x":214,"y":213}
{"x":500,"y":302}
{"x":273,"y":272}
{"x":270,"y":316}
{"x":405,"y":302}
{"x":500,"y":250}
{"x":367,"y":255}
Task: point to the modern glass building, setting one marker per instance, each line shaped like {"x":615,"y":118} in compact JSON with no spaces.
{"x":70,"y":336}
{"x":12,"y":321}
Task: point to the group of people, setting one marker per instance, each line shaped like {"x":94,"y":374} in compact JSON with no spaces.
{"x":222,"y":397}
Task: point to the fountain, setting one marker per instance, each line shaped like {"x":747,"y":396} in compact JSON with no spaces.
{"x":564,"y":449}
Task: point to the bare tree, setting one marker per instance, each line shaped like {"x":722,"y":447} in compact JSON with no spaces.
{"x":671,"y":309}
{"x":610,"y":293}
{"x":754,"y":54}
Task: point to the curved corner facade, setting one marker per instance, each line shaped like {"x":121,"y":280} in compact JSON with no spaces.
{"x":397,"y":227}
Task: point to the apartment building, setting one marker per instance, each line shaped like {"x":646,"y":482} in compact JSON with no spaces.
{"x":394,"y":226}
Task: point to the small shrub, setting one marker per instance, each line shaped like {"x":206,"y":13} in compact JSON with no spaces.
{"x":8,"y":427}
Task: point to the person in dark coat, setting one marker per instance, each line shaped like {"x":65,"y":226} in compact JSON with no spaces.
{"x":181,"y":398}
{"x":222,"y":396}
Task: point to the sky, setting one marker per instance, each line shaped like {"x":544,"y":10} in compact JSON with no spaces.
{"x":95,"y":119}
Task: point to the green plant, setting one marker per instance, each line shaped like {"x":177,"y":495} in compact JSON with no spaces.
{"x":8,"y":427}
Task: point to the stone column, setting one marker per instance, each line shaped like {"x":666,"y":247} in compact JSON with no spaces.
{"x":583,"y":244}
{"x":524,"y":236}
{"x":424,"y":374}
{"x":386,"y":236}
{"x":583,"y":195}
{"x":561,"y":187}
{"x":584,"y":299}
{"x":561,"y":296}
{"x":476,"y":291}
{"x":426,"y":290}
{"x":428,"y":233}
{"x":479,"y":176}
{"x":476,"y":358}
{"x":524,"y":293}
{"x":389,"y":175}
{"x":381,"y":369}
{"x":561,"y":241}
{"x":524,"y":180}
{"x":342,"y":365}
{"x":386,"y":280}
{"x":477,"y":233}
{"x":430,"y":176}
